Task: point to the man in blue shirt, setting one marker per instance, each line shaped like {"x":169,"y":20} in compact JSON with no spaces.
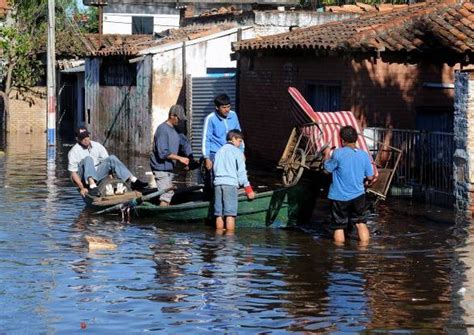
{"x":168,"y":145}
{"x":216,"y":126}
{"x":350,"y":167}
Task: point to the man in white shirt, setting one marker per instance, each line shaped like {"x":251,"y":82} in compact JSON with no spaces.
{"x":89,"y":163}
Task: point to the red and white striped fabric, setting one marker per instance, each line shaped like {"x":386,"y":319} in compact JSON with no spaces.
{"x":326,"y":132}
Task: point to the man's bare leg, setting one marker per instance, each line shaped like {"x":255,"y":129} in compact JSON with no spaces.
{"x":230,"y":223}
{"x":363,"y":231}
{"x":339,"y":236}
{"x":219,"y":223}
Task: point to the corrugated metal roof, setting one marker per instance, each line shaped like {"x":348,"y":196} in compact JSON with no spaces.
{"x":415,"y":27}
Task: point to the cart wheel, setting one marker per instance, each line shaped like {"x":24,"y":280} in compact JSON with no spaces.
{"x":278,"y":198}
{"x":294,"y":170}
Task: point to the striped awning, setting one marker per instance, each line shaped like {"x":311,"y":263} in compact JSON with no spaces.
{"x":322,"y":128}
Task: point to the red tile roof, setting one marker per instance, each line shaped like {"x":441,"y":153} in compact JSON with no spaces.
{"x":416,"y":27}
{"x":131,"y":45}
{"x":361,"y":8}
{"x":3,"y":7}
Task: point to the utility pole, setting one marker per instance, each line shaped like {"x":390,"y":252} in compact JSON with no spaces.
{"x":51,"y":75}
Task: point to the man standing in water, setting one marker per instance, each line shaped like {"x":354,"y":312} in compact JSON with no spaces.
{"x":170,"y":147}
{"x":216,"y":126}
{"x":89,"y":163}
{"x":350,"y":167}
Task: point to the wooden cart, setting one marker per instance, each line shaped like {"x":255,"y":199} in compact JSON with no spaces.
{"x":308,"y":140}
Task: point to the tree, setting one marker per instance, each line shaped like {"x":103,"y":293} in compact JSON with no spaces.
{"x":23,"y":39}
{"x":19,"y":40}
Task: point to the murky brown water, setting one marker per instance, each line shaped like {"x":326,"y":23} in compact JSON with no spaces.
{"x":414,"y":277}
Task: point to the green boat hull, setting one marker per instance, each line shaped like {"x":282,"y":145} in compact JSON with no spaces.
{"x":268,"y":209}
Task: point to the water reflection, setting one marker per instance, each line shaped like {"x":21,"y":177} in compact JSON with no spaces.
{"x":181,"y":278}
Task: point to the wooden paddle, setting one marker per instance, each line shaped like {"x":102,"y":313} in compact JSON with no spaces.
{"x":135,"y":201}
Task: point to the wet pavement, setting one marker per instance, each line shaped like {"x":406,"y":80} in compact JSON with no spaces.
{"x":414,"y":277}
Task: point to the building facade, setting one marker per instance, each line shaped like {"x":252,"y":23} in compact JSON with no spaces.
{"x":392,"y":69}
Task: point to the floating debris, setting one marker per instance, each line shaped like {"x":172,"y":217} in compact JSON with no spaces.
{"x":100,"y":243}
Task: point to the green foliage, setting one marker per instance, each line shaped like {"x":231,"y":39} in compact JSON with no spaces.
{"x":23,"y":38}
{"x":19,"y":42}
{"x":87,"y":20}
{"x":19,"y":58}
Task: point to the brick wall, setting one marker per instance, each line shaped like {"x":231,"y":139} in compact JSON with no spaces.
{"x":379,"y":93}
{"x":28,"y":116}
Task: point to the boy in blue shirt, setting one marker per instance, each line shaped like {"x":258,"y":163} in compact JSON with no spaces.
{"x":230,"y":173}
{"x":350,"y":167}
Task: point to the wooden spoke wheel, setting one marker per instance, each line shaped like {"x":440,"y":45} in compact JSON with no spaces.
{"x":274,"y":208}
{"x":293,"y":171}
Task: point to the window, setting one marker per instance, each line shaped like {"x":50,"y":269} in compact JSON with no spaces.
{"x":435,"y":118}
{"x":118,"y":73}
{"x":142,"y":25}
{"x":325,"y":96}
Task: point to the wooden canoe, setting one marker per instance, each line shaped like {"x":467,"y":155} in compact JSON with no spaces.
{"x":99,"y":203}
{"x":269,"y":208}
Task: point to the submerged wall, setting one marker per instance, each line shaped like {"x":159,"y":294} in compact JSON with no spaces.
{"x":27,"y":115}
{"x":463,"y":162}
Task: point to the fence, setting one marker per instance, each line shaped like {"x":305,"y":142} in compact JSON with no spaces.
{"x":426,"y":165}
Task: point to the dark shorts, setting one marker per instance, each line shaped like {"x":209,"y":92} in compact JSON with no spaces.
{"x":343,"y":212}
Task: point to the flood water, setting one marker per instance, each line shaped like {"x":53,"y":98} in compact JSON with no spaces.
{"x":414,"y":277}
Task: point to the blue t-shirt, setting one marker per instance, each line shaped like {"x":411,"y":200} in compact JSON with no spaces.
{"x":165,"y":142}
{"x":229,"y":167}
{"x":349,"y":167}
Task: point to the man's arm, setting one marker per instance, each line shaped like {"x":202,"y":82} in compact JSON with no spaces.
{"x":242,"y":176}
{"x":185,"y":145}
{"x":237,"y":126}
{"x":183,"y":160}
{"x":206,"y":141}
{"x":103,"y":152}
{"x":369,"y":172}
{"x":76,"y":179}
{"x":330,"y":163}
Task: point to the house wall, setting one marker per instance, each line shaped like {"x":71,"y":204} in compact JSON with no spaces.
{"x":200,"y":54}
{"x":119,"y":116}
{"x":275,"y":22}
{"x":167,"y":83}
{"x":28,"y":116}
{"x":118,"y":16}
{"x":463,"y":160}
{"x":379,"y":93}
{"x":121,"y":23}
{"x":92,"y":94}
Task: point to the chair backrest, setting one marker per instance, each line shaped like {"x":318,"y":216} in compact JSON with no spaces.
{"x":329,"y":124}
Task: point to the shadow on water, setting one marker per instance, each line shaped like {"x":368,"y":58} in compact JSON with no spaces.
{"x":414,"y":277}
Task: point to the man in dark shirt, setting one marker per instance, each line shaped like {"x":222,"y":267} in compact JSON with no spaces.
{"x":167,"y":146}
